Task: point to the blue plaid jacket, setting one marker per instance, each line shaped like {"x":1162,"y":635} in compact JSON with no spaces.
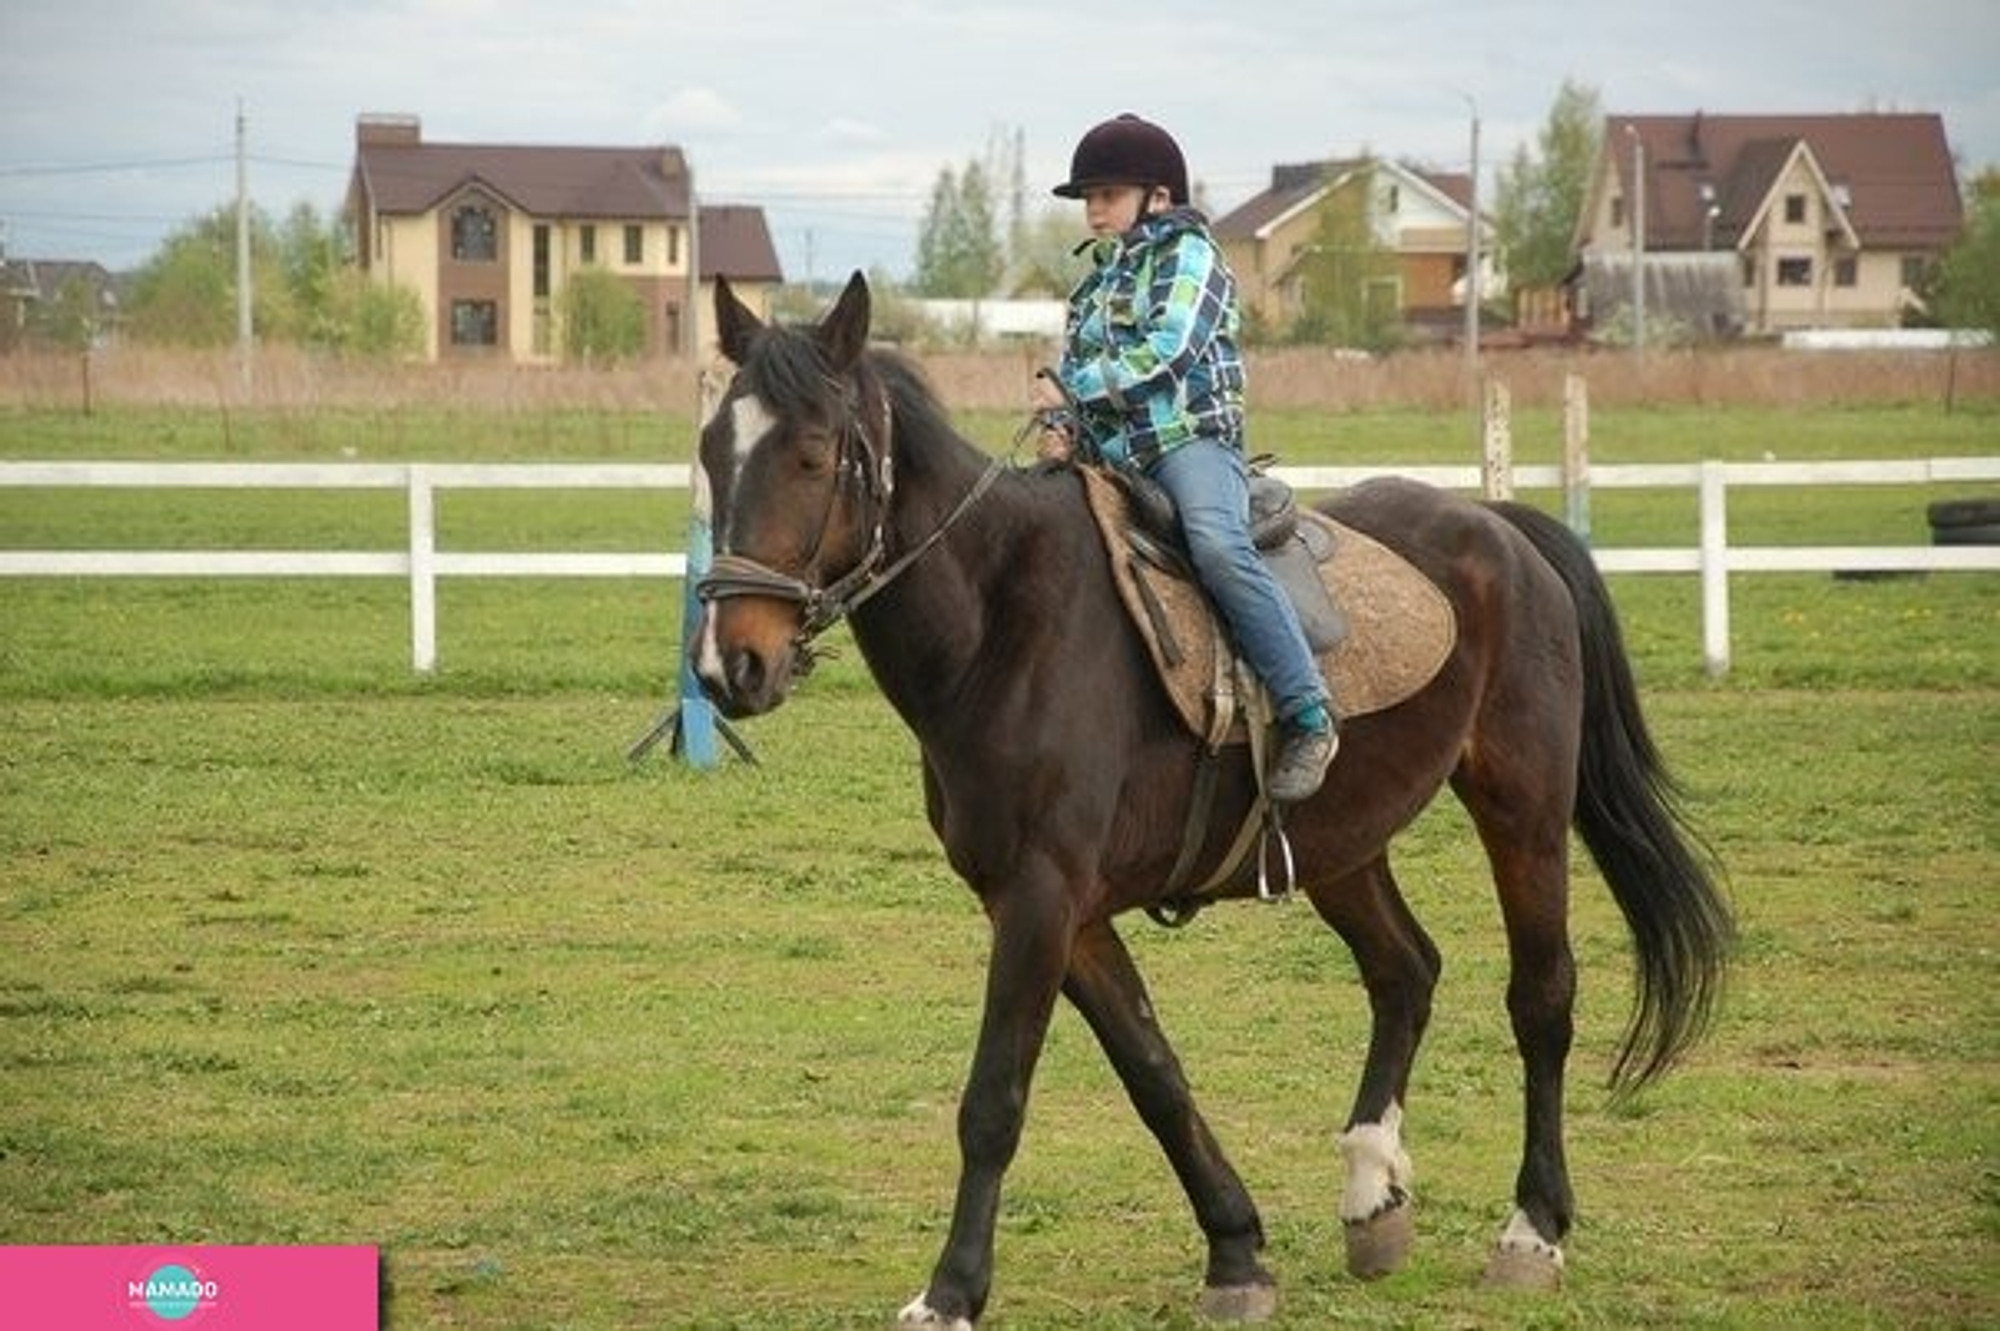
{"x":1150,"y":351}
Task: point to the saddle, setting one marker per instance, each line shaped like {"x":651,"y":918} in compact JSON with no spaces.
{"x":1379,"y":628}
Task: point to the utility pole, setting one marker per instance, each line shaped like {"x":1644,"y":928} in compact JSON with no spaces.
{"x":694,"y":274}
{"x":1638,"y":242}
{"x":243,"y":329}
{"x":1472,"y":252}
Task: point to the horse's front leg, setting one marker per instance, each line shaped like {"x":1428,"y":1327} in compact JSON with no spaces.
{"x":1032,"y":935}
{"x":1105,"y":986}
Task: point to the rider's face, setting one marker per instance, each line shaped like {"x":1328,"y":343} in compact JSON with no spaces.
{"x":1111,"y":210}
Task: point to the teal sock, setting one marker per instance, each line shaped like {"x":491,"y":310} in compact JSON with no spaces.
{"x":1313,"y":718}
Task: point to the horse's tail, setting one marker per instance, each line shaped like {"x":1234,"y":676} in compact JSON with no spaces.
{"x":1629,"y":814}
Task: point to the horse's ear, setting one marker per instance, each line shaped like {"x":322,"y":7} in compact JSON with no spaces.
{"x":843,"y":334}
{"x":735,"y":322}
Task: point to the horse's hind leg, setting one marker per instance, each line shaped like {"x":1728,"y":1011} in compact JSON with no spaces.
{"x":1400,"y":968}
{"x":1524,"y":825}
{"x":1105,"y":986}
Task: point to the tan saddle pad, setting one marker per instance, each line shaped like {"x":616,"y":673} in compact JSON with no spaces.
{"x":1400,"y":626}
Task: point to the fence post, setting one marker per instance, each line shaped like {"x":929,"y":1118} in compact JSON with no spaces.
{"x":1499,"y":440}
{"x":1714,"y":569}
{"x":423,"y":570}
{"x":1576,"y":455}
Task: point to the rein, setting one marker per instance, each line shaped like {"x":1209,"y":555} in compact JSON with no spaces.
{"x":731,"y":575}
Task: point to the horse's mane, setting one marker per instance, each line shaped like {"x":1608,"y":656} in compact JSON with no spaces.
{"x":919,"y":413}
{"x":788,"y":370}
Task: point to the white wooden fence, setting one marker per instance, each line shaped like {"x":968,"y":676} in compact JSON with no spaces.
{"x":1713,"y":559}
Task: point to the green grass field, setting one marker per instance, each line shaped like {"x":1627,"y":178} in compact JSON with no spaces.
{"x":299,"y":947}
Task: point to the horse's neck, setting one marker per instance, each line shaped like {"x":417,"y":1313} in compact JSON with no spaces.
{"x":956,"y":604}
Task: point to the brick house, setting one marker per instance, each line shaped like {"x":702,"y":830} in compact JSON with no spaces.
{"x":1820,"y":221}
{"x":1420,"y":216}
{"x":487,"y":236}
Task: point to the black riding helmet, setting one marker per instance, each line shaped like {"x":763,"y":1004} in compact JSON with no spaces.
{"x":1126,"y":150}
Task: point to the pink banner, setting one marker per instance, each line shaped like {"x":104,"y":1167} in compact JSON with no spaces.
{"x":211,"y":1287}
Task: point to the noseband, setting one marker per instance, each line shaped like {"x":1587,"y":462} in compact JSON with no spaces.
{"x":857,"y":454}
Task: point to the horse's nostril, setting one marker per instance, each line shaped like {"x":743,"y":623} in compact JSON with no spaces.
{"x":746,"y":674}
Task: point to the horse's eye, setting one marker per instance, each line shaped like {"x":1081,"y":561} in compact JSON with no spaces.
{"x":814,"y":456}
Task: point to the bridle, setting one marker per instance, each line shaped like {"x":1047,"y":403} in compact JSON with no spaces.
{"x":866,"y":455}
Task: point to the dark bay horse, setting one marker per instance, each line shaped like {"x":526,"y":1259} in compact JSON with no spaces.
{"x":1058,"y":777}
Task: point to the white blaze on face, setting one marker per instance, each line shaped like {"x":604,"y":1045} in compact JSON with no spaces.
{"x":707,"y":655}
{"x":749,"y":423}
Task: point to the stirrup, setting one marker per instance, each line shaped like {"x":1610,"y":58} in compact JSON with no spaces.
{"x":1274,"y":830}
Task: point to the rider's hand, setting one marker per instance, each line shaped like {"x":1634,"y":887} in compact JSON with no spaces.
{"x":1053,"y":445}
{"x":1045,"y":394}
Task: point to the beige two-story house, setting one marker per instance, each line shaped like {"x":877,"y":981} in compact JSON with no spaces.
{"x":1418,"y":216}
{"x":487,"y":236}
{"x":1819,"y":221}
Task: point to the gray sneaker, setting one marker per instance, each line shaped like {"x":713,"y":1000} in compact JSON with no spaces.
{"x":1301,"y":764}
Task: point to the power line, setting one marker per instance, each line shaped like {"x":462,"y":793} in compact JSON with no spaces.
{"x":65,"y":215}
{"x":301,"y":163}
{"x":27,"y":169}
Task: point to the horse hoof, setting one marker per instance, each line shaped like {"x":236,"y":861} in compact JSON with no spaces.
{"x":1239,"y":1303}
{"x":920,"y":1316}
{"x":1379,"y":1245}
{"x":1533,"y":1269}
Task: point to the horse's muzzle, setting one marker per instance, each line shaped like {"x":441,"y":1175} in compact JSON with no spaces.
{"x":746,"y":656}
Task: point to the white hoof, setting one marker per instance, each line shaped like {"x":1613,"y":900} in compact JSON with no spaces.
{"x":1520,"y":1268}
{"x":1239,"y":1303}
{"x":920,"y":1314}
{"x":1523,"y":1259}
{"x":1379,"y":1245}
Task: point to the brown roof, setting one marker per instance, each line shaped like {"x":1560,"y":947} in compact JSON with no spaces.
{"x":1291,"y":184}
{"x":1894,"y":171}
{"x":396,"y":172}
{"x":736,"y":243}
{"x":1295,"y":182}
{"x":1454,"y":185}
{"x":410,"y":176}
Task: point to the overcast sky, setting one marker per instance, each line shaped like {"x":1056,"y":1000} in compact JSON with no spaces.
{"x":836,"y":116}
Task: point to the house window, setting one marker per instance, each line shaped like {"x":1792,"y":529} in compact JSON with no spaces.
{"x":474,"y":236}
{"x":1846,"y":270}
{"x":1795,"y":272}
{"x":586,"y":242}
{"x":1915,"y":271}
{"x":541,"y":275}
{"x":635,"y":244}
{"x":1795,"y":208}
{"x":673,"y":246}
{"x":475,"y":323}
{"x":1749,"y":271}
{"x":1617,"y":210}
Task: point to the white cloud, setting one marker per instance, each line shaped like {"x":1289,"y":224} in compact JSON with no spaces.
{"x":845,"y":131}
{"x":838,"y":114}
{"x":690,"y":112}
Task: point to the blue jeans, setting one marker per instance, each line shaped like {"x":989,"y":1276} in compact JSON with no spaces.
{"x":1209,"y":482}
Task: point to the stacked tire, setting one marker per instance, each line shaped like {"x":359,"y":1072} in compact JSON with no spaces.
{"x":1964,"y":521}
